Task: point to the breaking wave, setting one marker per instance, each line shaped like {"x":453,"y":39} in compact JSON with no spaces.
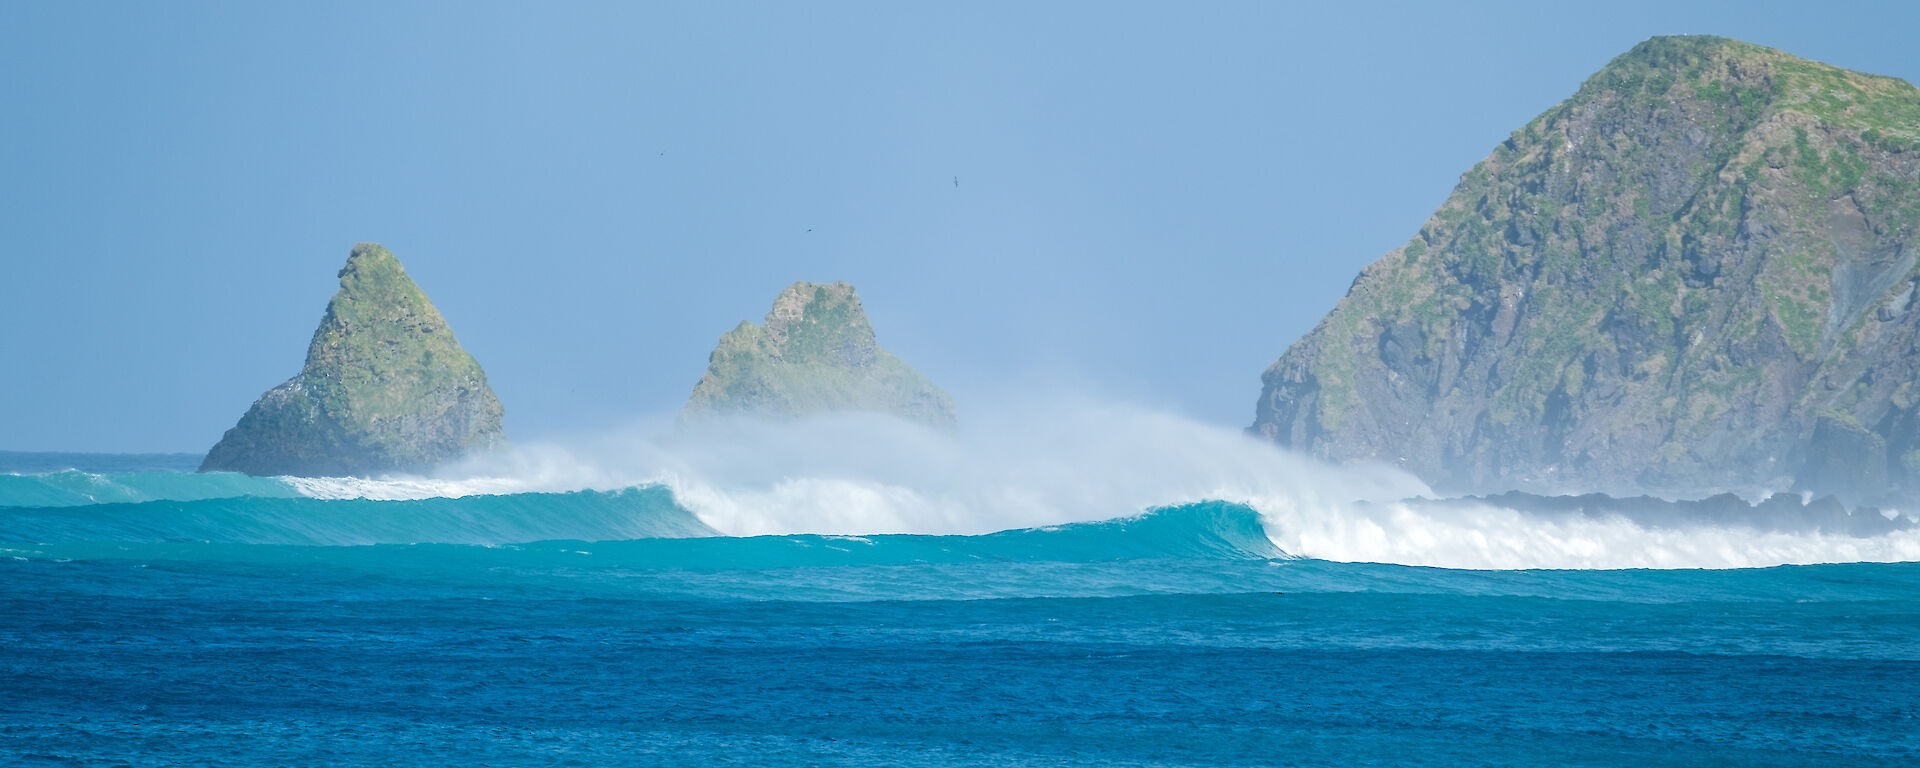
{"x":1072,"y":484}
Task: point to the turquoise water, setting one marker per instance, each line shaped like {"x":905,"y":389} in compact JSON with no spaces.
{"x":223,"y":620}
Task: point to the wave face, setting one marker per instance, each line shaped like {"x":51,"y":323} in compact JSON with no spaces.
{"x":75,"y":488}
{"x":476,"y":520}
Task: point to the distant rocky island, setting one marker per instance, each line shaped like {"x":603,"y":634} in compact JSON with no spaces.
{"x":1696,"y":274}
{"x":386,"y":388}
{"x":816,"y":353}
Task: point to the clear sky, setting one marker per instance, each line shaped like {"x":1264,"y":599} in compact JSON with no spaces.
{"x":1153,"y":200}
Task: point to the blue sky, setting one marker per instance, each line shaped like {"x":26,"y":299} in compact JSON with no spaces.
{"x":1153,"y":200}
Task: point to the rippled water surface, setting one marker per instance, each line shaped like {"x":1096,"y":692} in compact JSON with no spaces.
{"x":616,"y":628}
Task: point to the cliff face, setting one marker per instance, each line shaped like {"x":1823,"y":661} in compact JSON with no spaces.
{"x":816,"y":353}
{"x":386,"y":388}
{"x":1698,"y":273}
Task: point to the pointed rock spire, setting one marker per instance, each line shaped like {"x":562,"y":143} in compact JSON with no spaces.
{"x":386,"y":388}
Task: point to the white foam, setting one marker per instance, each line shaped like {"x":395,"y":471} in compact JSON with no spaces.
{"x":1481,"y":536}
{"x":401,"y":488}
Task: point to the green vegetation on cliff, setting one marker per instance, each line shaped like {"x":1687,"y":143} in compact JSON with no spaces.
{"x":386,"y":388}
{"x":1661,"y":283}
{"x":816,"y":353}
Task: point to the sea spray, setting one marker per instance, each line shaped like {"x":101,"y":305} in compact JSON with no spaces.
{"x":864,"y":475}
{"x":855,"y":474}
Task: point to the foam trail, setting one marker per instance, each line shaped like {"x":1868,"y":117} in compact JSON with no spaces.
{"x":1486,"y":536}
{"x":412,"y":488}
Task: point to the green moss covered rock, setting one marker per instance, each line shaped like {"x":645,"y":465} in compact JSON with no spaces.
{"x":816,"y":353}
{"x":1695,"y":274}
{"x":386,"y":388}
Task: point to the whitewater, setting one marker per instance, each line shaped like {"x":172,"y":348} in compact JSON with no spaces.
{"x":1068,"y":585}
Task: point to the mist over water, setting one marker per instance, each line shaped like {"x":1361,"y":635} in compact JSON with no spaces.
{"x":1036,"y":466}
{"x":1031,"y":465}
{"x":867,"y":473}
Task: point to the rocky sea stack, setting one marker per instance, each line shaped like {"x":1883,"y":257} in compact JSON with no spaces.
{"x":1698,"y":273}
{"x":386,"y":388}
{"x":816,"y":353}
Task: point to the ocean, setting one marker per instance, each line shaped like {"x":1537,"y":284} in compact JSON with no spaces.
{"x":151,"y":616}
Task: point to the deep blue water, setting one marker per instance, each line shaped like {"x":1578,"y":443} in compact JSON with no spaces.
{"x":177,"y":624}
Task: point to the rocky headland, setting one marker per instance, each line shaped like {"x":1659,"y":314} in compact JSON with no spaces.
{"x":1696,"y":274}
